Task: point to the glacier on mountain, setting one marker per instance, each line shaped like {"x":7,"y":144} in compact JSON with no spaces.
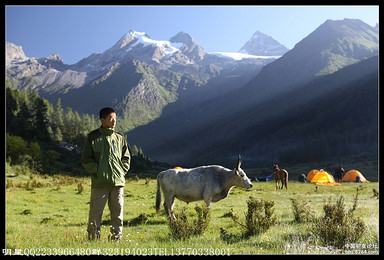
{"x":145,"y":40}
{"x":241,"y":56}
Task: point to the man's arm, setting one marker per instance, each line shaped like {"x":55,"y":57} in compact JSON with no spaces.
{"x":87,"y":158}
{"x":126,"y":156}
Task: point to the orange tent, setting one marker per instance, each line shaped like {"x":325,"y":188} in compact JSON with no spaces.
{"x":311,"y":174}
{"x":177,"y":168}
{"x":322,"y":178}
{"x":354,"y":176}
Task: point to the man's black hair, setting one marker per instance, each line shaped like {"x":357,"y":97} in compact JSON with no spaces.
{"x":104,"y":112}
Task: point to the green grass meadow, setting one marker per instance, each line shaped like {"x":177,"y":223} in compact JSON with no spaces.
{"x":47,"y":215}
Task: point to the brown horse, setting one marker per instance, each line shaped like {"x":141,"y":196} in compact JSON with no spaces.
{"x":281,"y":176}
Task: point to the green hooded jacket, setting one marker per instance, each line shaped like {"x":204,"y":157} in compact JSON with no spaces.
{"x":106,"y":157}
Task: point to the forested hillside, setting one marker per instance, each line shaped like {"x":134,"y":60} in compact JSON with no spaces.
{"x":332,"y":115}
{"x":46,"y":138}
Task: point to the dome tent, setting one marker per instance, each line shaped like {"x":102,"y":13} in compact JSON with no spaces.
{"x":354,"y":176}
{"x":311,"y":174}
{"x":322,"y":178}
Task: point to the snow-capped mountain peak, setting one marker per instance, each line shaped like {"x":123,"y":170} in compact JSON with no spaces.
{"x":181,"y":50}
{"x":14,"y":53}
{"x":143,"y":39}
{"x":263,"y":45}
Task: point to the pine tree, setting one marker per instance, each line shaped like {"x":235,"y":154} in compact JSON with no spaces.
{"x":24,"y":122}
{"x":57,"y":120}
{"x":12,"y":108}
{"x":40,"y":120}
{"x":57,"y":135}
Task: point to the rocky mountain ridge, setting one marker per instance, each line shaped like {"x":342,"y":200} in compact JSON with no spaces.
{"x":181,"y":50}
{"x":263,"y":118}
{"x":140,"y":75}
{"x":263,"y":45}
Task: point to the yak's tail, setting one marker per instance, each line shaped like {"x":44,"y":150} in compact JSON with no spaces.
{"x":158,"y":196}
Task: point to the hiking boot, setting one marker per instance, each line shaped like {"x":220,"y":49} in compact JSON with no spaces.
{"x":114,"y":235}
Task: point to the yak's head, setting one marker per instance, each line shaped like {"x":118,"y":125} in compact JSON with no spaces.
{"x":241,"y":179}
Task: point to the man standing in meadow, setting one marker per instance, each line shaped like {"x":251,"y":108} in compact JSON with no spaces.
{"x":106,"y":157}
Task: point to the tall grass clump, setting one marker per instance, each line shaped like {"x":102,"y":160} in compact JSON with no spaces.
{"x":181,"y":228}
{"x":301,"y":211}
{"x":259,"y":217}
{"x":339,"y":226}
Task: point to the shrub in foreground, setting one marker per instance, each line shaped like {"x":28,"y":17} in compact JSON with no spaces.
{"x":338,"y":227}
{"x":181,"y":228}
{"x":301,"y":211}
{"x":259,"y":217}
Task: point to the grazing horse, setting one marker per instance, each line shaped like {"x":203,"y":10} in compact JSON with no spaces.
{"x":281,"y":175}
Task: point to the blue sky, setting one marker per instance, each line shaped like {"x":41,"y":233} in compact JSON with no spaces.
{"x":75,"y":32}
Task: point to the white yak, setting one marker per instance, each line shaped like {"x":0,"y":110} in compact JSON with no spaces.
{"x":209,"y":183}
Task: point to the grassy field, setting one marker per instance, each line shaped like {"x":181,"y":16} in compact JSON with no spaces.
{"x":48,"y":215}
